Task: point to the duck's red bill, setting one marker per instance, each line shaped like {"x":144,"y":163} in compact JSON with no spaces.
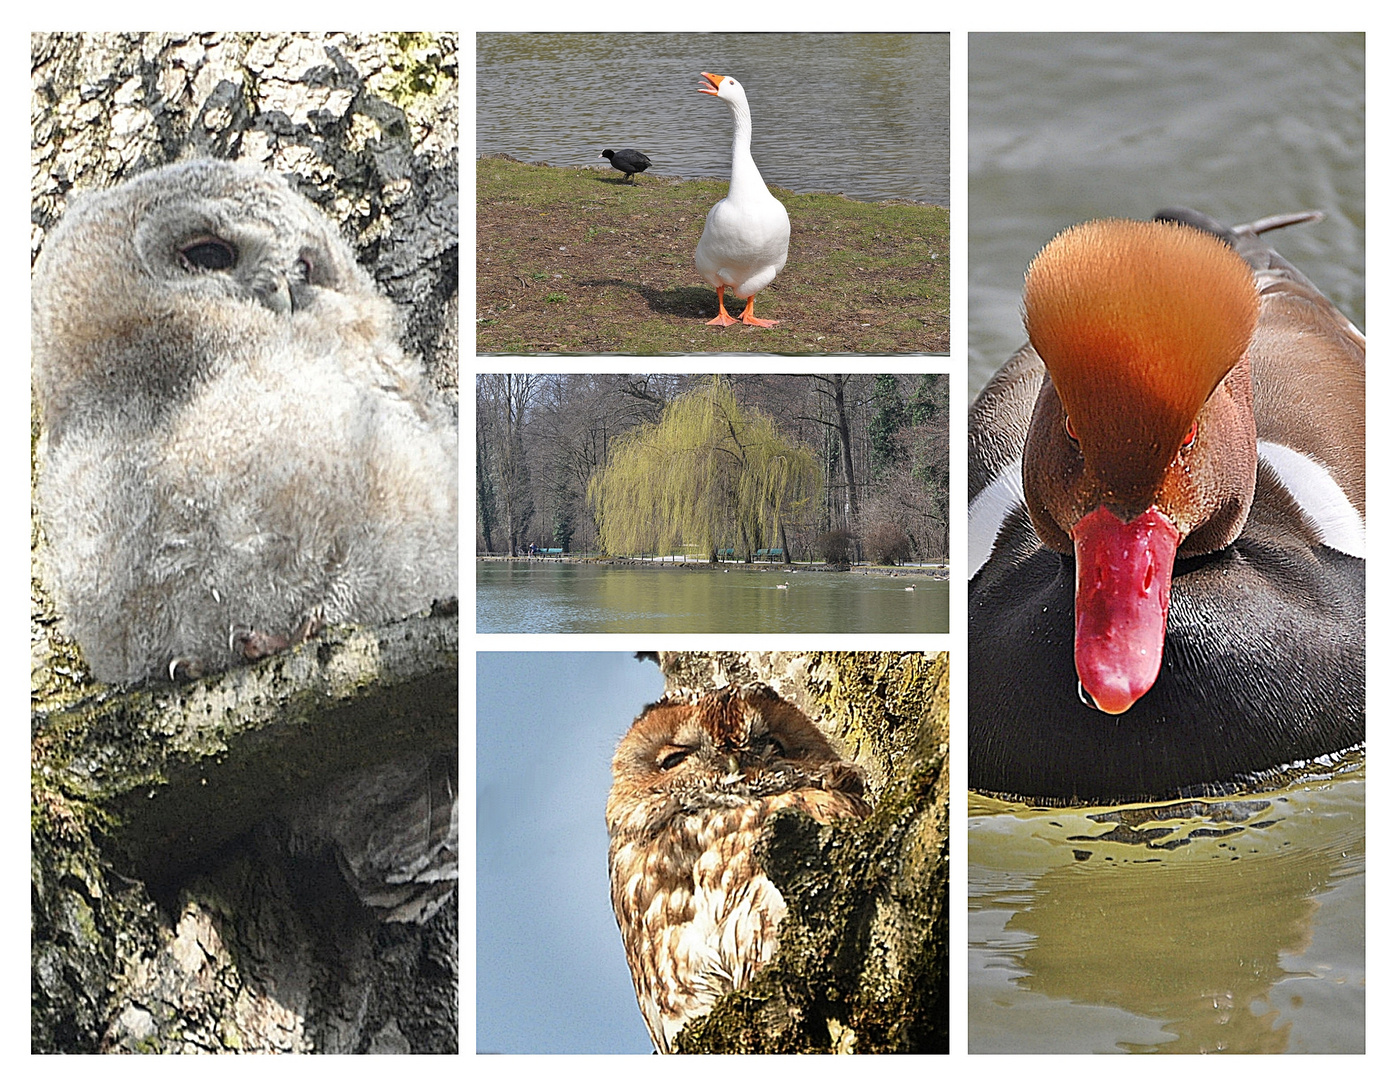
{"x":1123,"y":595}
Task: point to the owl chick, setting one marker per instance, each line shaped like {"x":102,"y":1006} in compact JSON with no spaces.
{"x":235,"y":447}
{"x":693,"y":782}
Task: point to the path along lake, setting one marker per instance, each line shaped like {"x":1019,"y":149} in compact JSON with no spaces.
{"x":548,"y":596}
{"x":863,"y":114}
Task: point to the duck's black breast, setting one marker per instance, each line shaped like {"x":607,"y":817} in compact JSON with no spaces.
{"x":1263,"y":666}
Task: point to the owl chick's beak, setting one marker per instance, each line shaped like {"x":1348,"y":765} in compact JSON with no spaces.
{"x":274,"y":292}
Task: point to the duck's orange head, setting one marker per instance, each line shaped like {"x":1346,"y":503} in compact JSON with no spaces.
{"x":1143,"y":439}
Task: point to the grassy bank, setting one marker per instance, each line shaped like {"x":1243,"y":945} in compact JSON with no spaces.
{"x":578,"y":260}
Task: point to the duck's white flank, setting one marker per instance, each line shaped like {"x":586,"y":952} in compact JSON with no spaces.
{"x":1321,"y":499}
{"x":989,"y":510}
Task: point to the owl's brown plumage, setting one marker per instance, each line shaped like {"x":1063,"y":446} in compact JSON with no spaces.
{"x":693,"y":783}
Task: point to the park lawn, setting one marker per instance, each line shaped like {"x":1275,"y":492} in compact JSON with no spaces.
{"x":577,"y":260}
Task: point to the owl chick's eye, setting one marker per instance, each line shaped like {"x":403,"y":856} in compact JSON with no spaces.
{"x":209,"y":253}
{"x":672,"y":756}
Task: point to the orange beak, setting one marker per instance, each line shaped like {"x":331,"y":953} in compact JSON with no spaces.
{"x":714,"y":81}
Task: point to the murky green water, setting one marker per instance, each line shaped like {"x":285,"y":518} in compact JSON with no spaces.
{"x":1220,"y":925}
{"x":548,"y":597}
{"x":1067,"y":127}
{"x":865,"y":114}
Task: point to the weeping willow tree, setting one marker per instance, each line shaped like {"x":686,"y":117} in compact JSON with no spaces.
{"x":709,"y":474}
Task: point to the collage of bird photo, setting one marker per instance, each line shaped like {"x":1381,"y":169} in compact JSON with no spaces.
{"x":956,"y":647}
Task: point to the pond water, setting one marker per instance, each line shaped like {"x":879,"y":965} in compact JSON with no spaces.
{"x":863,"y":114}
{"x":1217,"y":925}
{"x":1068,"y":127}
{"x":545,"y":596}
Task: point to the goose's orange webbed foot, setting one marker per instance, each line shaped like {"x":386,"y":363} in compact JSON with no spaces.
{"x":751,"y":319}
{"x":722,"y":318}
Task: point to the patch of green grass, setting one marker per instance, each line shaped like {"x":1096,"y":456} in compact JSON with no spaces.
{"x":862,"y":277}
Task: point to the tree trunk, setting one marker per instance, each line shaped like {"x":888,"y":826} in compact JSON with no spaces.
{"x":862,"y":966}
{"x":514,"y":397}
{"x":836,"y":391}
{"x":846,"y":455}
{"x":189,"y":854}
{"x":485,"y":501}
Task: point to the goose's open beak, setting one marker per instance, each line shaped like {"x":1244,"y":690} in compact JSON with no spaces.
{"x":714,"y":81}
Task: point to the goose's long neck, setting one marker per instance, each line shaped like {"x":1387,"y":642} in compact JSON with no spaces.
{"x":745,"y":178}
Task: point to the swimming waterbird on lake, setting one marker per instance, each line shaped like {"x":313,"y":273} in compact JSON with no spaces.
{"x":1167,"y":520}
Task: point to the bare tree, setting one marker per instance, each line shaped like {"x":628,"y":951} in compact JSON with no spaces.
{"x":503,"y":403}
{"x":574,"y":422}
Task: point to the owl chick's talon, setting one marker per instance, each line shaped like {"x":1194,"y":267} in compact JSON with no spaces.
{"x":310,"y":627}
{"x":251,"y":644}
{"x":151,"y":314}
{"x":185,"y":669}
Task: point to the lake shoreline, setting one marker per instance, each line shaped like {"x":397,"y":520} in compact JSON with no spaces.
{"x":634,"y":596}
{"x":930,"y":573}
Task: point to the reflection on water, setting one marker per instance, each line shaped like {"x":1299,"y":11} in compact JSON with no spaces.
{"x":1207,"y":926}
{"x":548,"y":597}
{"x":1067,"y":127}
{"x":1234,"y":925}
{"x":865,"y":114}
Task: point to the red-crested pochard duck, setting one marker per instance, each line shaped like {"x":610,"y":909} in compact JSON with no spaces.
{"x":1167,"y":520}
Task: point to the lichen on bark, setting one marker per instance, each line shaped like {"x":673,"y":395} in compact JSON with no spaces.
{"x":862,"y":965}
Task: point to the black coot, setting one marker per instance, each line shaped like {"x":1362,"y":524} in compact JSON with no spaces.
{"x":628,"y":161}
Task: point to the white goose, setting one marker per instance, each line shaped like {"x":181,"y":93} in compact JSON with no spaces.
{"x":745,"y":237}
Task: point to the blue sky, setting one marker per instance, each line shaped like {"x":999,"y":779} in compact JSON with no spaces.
{"x":550,"y":973}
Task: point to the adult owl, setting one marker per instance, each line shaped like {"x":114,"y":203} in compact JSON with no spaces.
{"x":235,"y":449}
{"x":693,"y":782}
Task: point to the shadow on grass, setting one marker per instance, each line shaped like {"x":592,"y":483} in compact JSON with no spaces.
{"x":685,"y":302}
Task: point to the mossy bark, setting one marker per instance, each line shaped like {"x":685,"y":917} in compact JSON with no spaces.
{"x":179,"y":902}
{"x":862,"y":966}
{"x":182,"y":902}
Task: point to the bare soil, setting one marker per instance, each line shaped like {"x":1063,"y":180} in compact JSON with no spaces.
{"x":577,"y":260}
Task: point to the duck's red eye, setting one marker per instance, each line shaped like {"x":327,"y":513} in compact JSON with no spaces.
{"x":1193,"y":434}
{"x":1068,"y":427}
